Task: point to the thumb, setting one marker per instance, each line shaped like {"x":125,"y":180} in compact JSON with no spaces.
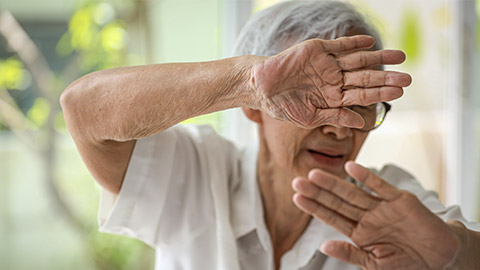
{"x":346,"y":252}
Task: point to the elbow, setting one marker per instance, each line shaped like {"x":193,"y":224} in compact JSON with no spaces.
{"x":69,"y":99}
{"x":82,"y":108}
{"x":75,"y":95}
{"x":72,"y":101}
{"x":66,"y":99}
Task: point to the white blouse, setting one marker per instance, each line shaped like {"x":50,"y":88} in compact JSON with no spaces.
{"x":193,"y":196}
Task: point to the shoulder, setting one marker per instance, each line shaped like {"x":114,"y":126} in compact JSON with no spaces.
{"x":395,"y":175}
{"x":201,"y":147}
{"x":201,"y":139}
{"x":199,"y":134}
{"x":401,"y":179}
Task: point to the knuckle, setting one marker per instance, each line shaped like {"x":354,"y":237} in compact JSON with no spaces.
{"x":318,"y":195}
{"x":372,"y":205}
{"x":362,"y":97}
{"x":378,"y":185}
{"x":366,"y":78}
{"x":330,"y":218}
{"x":351,"y":195}
{"x":336,"y":204}
{"x":363,"y":60}
{"x":358,"y":215}
{"x":409,"y":197}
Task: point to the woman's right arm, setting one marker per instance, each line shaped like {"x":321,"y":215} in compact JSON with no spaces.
{"x":106,"y":111}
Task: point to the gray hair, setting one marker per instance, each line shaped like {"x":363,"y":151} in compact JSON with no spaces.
{"x":271,"y":30}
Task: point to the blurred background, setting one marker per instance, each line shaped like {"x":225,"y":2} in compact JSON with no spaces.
{"x":48,"y":201}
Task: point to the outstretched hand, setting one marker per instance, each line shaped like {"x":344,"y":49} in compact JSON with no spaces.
{"x":310,"y":83}
{"x":392,"y":230}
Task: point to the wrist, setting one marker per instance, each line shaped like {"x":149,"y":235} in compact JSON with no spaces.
{"x":462,"y":234}
{"x":244,"y":72}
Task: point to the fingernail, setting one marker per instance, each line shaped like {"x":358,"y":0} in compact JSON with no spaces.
{"x":399,"y":79}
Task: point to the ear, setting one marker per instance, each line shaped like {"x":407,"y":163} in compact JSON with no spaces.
{"x":253,"y":115}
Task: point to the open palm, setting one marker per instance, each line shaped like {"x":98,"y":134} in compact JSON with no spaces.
{"x":392,"y":230}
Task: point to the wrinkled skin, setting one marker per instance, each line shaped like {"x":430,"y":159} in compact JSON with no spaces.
{"x":309,"y":83}
{"x":393,"y":230}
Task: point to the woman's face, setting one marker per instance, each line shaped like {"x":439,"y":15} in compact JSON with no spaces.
{"x":295,"y":151}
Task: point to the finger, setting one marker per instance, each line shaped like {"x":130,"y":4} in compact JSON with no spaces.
{"x":368,"y":59}
{"x":337,"y":221}
{"x":343,"y":189}
{"x":383,"y":189}
{"x":337,"y":117}
{"x":348,"y":43}
{"x":376,"y":78}
{"x":368,"y":96}
{"x":346,"y":252}
{"x":327,"y":199}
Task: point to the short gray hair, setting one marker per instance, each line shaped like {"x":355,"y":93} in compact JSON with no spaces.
{"x":269,"y":31}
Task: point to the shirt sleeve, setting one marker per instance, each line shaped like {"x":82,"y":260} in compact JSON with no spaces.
{"x":165,"y":194}
{"x":405,"y":181}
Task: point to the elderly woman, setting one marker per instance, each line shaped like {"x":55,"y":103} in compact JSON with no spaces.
{"x":286,"y":202}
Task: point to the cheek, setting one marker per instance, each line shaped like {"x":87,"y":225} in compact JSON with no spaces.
{"x":279,"y":141}
{"x":358,"y":141}
{"x":282,"y":140}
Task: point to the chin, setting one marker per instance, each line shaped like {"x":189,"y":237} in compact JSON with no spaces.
{"x":306,"y":169}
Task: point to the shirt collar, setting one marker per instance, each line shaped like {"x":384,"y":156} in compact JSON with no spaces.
{"x":246,"y":196}
{"x":248,"y":215}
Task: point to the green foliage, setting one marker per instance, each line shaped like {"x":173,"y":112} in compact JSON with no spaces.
{"x":39,"y":112}
{"x":12,"y":73}
{"x":59,"y":123}
{"x":96,"y":35}
{"x":410,"y":38}
{"x":117,"y":252}
{"x":99,"y":38}
{"x":477,"y":6}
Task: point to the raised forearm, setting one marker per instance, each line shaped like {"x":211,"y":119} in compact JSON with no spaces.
{"x":468,"y":254}
{"x":107,"y":111}
{"x":129,"y":103}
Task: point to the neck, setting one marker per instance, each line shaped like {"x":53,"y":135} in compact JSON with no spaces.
{"x":285,"y":222}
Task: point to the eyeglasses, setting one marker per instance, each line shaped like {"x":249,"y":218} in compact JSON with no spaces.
{"x":373,"y":115}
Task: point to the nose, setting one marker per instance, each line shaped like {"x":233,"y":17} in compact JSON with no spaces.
{"x":337,"y":132}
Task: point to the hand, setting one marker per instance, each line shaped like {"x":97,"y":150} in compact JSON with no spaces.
{"x":392,"y":230}
{"x":309,"y":83}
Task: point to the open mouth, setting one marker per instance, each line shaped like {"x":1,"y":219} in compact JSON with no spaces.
{"x":325,"y":154}
{"x":330,"y":159}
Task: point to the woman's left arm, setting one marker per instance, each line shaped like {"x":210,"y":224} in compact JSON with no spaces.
{"x":391,"y":229}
